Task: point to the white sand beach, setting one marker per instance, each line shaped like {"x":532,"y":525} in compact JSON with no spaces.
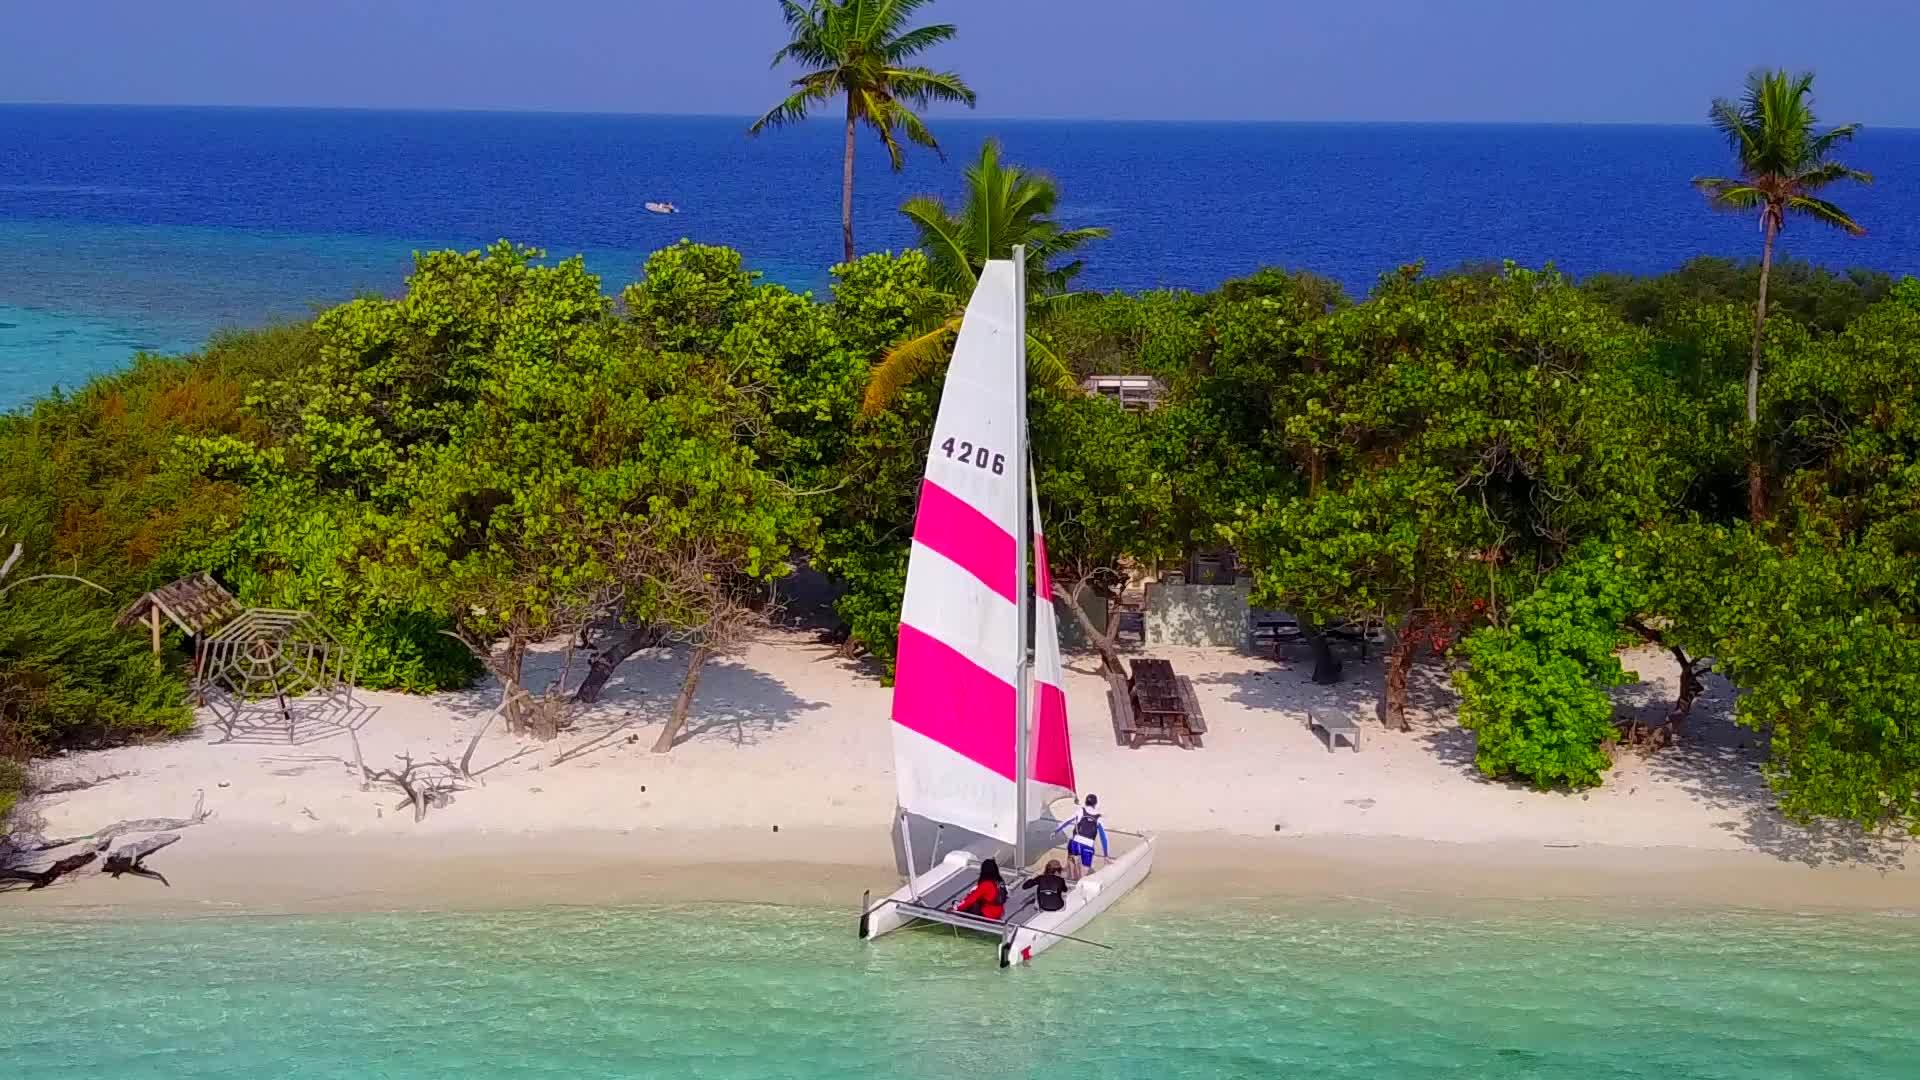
{"x":783,"y":786}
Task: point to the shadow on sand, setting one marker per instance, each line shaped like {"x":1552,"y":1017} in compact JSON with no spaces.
{"x":1718,"y":763}
{"x":1714,"y":761}
{"x":733,"y":702}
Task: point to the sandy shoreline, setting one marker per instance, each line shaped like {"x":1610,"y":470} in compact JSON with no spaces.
{"x":227,"y":872}
{"x":789,"y":736}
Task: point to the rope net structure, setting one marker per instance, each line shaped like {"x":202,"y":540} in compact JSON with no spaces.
{"x":272,"y":674}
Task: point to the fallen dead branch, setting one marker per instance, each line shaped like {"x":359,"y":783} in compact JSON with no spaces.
{"x":139,"y":825}
{"x":65,"y":786}
{"x":130,"y":858}
{"x":40,"y":879}
{"x":423,"y":783}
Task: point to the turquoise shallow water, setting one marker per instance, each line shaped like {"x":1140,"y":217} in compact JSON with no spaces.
{"x":766,"y":992}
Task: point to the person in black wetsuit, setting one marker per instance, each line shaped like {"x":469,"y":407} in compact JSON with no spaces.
{"x":1049,"y":888}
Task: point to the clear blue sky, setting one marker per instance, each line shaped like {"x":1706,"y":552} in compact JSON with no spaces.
{"x":1524,"y":60}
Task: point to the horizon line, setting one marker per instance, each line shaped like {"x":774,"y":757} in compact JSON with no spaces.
{"x":943,"y":117}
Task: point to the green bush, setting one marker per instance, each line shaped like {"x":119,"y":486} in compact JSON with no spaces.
{"x":69,"y":679}
{"x":407,"y":650}
{"x":1534,"y":691}
{"x":13,"y":784}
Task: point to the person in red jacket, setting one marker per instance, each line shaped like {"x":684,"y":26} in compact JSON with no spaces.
{"x":989,"y":896}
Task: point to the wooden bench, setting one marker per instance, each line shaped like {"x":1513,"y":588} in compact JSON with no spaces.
{"x":1132,"y":624}
{"x":1336,"y":728}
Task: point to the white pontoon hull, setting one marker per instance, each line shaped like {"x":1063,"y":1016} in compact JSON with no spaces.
{"x":1089,"y":897}
{"x":888,"y":915}
{"x":1035,"y":931}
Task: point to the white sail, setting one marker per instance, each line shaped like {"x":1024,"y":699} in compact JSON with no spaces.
{"x":953,"y":701}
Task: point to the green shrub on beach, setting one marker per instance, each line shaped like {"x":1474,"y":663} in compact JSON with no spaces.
{"x":13,"y":784}
{"x":1534,"y":690}
{"x":69,"y":679}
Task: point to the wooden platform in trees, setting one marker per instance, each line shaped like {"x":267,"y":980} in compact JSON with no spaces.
{"x":195,"y":604}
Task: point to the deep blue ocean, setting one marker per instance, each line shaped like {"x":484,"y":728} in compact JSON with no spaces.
{"x":148,"y":228}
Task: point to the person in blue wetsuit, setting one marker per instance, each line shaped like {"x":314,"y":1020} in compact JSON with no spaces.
{"x":1085,"y":831}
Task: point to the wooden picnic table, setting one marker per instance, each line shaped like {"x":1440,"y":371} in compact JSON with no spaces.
{"x":1161,"y":706}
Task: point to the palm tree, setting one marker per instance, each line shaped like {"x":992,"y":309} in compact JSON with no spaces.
{"x":858,"y":49}
{"x":1783,"y":163}
{"x":1006,"y":205}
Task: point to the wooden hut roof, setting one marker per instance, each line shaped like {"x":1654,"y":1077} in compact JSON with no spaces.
{"x":194,"y":604}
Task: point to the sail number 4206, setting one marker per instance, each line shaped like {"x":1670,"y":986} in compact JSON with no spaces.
{"x":977,"y":456}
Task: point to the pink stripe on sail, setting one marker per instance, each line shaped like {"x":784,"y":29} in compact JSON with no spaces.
{"x":953,"y":701}
{"x":973,"y":541}
{"x":1052,"y":755}
{"x":1043,"y":578}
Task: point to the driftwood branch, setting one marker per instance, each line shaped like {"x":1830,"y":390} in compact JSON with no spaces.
{"x":127,"y":859}
{"x":139,"y":825}
{"x":40,"y":879}
{"x":422,"y":784}
{"x":466,"y":759}
{"x":65,"y":786}
{"x":130,"y":858}
{"x":54,"y":577}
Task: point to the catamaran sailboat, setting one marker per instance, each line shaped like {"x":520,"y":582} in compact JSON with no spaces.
{"x":981,"y":750}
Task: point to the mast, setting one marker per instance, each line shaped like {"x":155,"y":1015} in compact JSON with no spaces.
{"x":1022,"y":537}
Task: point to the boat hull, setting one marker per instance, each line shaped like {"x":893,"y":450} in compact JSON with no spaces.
{"x":889,"y":914}
{"x":1092,"y":895}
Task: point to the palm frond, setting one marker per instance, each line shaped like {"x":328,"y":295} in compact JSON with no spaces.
{"x":882,"y":114}
{"x":1824,"y":144}
{"x":1051,"y":305}
{"x":1825,"y":212}
{"x":1045,"y":368}
{"x":916,"y":41}
{"x":907,"y":362}
{"x":1730,"y":194}
{"x":886,"y":17}
{"x":924,"y":86}
{"x":916,"y":130}
{"x":1830,"y":172}
{"x":1728,"y":121}
{"x":794,"y":109}
{"x":943,"y":239}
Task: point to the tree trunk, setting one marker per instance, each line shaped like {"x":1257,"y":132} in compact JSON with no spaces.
{"x":1102,"y":640}
{"x":1393,"y":706}
{"x":1690,"y":687}
{"x":1326,"y":666}
{"x":1756,"y":473}
{"x":683,"y":703}
{"x":616,"y":652}
{"x":518,"y":718}
{"x":846,"y":185}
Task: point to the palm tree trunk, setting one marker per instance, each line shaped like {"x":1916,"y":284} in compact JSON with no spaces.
{"x":846,"y":185}
{"x":1756,"y":475}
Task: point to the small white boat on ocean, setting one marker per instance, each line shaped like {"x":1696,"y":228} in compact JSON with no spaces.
{"x":981,"y":748}
{"x":662,"y":208}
